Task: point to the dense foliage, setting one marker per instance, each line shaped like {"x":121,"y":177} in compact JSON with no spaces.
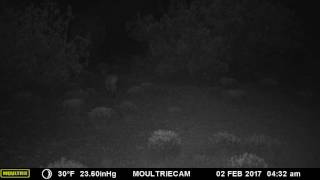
{"x":209,"y":38}
{"x":36,"y":50}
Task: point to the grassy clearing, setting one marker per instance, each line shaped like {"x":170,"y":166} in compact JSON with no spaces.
{"x":206,"y":127}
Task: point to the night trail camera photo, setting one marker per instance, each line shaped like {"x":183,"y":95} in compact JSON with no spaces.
{"x":159,"y":84}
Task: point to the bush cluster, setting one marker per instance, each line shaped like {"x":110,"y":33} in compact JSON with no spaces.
{"x":37,"y":51}
{"x":210,"y":38}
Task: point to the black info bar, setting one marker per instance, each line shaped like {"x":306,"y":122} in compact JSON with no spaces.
{"x":158,"y":173}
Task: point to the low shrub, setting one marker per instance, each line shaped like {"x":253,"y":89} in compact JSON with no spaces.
{"x":247,"y":160}
{"x":65,"y":163}
{"x":101,"y":113}
{"x":164,"y":143}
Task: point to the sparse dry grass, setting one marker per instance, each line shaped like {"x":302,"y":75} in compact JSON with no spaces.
{"x":65,"y":163}
{"x":209,"y":123}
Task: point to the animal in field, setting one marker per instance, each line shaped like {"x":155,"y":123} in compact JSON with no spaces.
{"x":111,"y":84}
{"x":110,"y":76}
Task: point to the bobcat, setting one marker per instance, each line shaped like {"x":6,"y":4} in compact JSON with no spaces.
{"x":111,"y":84}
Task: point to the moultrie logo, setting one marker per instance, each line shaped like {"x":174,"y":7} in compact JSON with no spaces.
{"x":14,"y":173}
